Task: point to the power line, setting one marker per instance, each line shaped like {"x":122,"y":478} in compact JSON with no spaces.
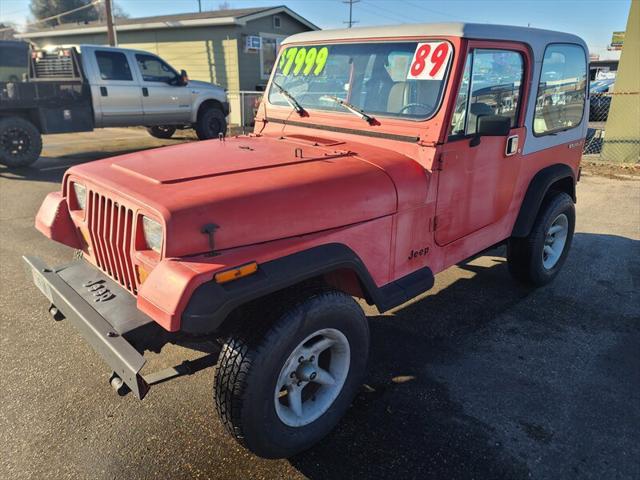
{"x":431,"y":10}
{"x":351,"y":20}
{"x":390,"y":14}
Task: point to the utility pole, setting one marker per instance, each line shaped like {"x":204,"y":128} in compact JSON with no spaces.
{"x":351,"y":20}
{"x":111,"y":31}
{"x":200,"y":6}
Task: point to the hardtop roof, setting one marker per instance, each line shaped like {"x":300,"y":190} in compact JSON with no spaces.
{"x":466,"y":30}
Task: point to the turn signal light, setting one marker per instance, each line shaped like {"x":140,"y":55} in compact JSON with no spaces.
{"x":142,"y":274}
{"x":235,"y":273}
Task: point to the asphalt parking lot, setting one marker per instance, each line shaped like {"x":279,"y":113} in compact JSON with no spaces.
{"x":480,"y":378}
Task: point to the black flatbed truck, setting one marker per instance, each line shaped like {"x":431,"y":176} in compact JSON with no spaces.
{"x":52,"y":97}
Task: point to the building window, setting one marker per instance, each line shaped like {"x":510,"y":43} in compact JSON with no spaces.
{"x":268,"y":54}
{"x":562,"y":89}
{"x":276,"y":21}
{"x":113,"y":66}
{"x":491,"y":85}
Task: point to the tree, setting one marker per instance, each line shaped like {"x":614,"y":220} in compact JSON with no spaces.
{"x":118,"y":12}
{"x":224,"y":6}
{"x":7,"y":31}
{"x":48,"y":8}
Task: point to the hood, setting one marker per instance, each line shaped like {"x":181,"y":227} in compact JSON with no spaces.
{"x":203,"y":85}
{"x":254,"y":189}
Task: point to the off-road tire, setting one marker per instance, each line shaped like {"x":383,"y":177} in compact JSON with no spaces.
{"x":253,"y":356}
{"x":211,"y":123}
{"x":524,"y":255}
{"x":18,"y":129}
{"x":161,"y":131}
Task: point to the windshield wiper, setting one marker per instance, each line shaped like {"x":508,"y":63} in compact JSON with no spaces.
{"x":353,"y":109}
{"x":291,"y":100}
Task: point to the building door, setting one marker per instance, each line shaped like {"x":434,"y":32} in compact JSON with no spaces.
{"x":117,"y":91}
{"x":269,"y":46}
{"x":164,"y":100}
{"x":477,"y":180}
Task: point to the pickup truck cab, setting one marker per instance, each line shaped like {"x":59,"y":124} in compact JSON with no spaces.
{"x":380,"y":157}
{"x":102,"y":87}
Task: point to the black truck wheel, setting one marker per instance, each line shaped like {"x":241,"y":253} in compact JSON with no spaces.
{"x":211,"y":123}
{"x":282,"y":385}
{"x":20,"y":142}
{"x":161,"y":131}
{"x":538,"y":258}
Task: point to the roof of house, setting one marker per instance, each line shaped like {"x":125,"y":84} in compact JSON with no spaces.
{"x":481,"y":31}
{"x":238,"y":16}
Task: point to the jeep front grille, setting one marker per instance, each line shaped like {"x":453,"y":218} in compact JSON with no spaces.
{"x":111,"y":232}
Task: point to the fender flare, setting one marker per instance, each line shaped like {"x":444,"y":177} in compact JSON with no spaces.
{"x":536,"y":192}
{"x":211,"y":303}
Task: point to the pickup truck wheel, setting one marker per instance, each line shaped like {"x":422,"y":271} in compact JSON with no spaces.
{"x":20,"y":142}
{"x":161,"y":131}
{"x":538,"y":258}
{"x":280,"y":388}
{"x":211,"y":122}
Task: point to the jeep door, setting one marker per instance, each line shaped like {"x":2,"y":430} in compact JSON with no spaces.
{"x":165,"y":101}
{"x":477,"y":180}
{"x":114,"y":88}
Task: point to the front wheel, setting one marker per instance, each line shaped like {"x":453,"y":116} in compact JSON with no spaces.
{"x":161,"y":131}
{"x":279,"y":389}
{"x":538,"y":258}
{"x":20,"y":142}
{"x":211,"y":123}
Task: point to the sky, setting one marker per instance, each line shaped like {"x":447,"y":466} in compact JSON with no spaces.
{"x":593,"y":20}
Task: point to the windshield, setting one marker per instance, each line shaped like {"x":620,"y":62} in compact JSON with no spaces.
{"x":403,"y":80}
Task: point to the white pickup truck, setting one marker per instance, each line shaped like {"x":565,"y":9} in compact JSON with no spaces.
{"x":99,"y":87}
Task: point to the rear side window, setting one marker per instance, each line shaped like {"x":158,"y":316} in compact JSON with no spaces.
{"x":14,"y":56}
{"x":113,"y":66}
{"x":562,"y":89}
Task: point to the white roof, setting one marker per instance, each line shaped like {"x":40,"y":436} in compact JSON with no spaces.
{"x":467,"y":30}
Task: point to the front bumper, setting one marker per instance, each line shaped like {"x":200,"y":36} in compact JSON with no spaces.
{"x":106,"y":316}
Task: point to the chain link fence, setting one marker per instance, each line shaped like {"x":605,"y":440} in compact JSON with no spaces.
{"x":614,"y":128}
{"x":244,"y":105}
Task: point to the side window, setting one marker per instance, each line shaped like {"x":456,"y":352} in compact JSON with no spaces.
{"x":491,"y":85}
{"x":155,"y":70}
{"x":113,"y":66}
{"x":562,"y":89}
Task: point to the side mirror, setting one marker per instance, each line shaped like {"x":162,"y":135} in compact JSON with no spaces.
{"x":491,"y":126}
{"x":183,"y":79}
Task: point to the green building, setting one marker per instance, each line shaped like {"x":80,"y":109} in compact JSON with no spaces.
{"x":235,"y":49}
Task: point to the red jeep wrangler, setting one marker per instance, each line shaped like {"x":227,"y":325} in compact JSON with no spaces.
{"x":380,"y":157}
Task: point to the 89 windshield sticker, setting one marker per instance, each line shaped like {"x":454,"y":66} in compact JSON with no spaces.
{"x":429,"y":61}
{"x":303,"y":61}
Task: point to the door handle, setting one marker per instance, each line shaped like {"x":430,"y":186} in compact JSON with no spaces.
{"x":145,"y":92}
{"x":103,"y":91}
{"x":512,"y":145}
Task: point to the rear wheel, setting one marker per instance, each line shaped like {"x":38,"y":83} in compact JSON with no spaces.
{"x":538,"y":258}
{"x":211,"y":123}
{"x":20,"y":142}
{"x":280,"y":388}
{"x":161,"y":131}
